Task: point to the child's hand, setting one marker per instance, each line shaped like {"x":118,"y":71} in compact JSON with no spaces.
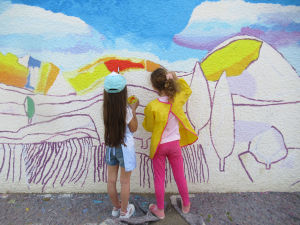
{"x":135,"y":105}
{"x":133,"y":102}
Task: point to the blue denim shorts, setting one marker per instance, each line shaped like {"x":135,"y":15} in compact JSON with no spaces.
{"x":114,"y":156}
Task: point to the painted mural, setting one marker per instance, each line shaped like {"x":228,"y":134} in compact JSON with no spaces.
{"x":241,"y":59}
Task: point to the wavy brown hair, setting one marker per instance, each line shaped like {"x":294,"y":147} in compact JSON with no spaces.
{"x":162,"y":84}
{"x":114,"y":117}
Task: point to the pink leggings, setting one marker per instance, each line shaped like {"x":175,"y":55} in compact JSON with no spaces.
{"x":171,"y":150}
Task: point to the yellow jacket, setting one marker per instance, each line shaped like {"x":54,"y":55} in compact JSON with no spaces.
{"x":157,"y":114}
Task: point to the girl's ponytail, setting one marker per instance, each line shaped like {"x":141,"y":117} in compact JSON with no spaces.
{"x":170,"y":88}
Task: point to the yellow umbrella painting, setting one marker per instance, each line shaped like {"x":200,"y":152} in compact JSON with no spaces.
{"x":233,"y":59}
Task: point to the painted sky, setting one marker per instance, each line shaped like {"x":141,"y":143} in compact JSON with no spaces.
{"x":174,"y":33}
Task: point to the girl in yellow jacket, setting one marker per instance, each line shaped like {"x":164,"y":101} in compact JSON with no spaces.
{"x":171,"y":130}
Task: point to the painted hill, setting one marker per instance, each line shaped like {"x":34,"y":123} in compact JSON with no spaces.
{"x":254,"y":70}
{"x":89,"y":77}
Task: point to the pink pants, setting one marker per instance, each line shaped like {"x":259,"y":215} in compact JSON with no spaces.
{"x":171,"y":150}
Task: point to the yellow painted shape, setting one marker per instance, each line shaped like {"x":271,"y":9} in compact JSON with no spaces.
{"x":92,"y":87}
{"x":43,"y":75}
{"x":11,"y":71}
{"x":234,"y":58}
{"x":82,"y":81}
{"x":52,"y":75}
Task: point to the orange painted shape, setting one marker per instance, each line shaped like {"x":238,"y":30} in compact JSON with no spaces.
{"x":151,"y":66}
{"x":115,"y":64}
{"x":52,"y":74}
{"x":11,"y":78}
{"x":11,"y":71}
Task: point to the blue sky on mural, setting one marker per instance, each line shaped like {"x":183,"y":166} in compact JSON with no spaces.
{"x":71,"y":33}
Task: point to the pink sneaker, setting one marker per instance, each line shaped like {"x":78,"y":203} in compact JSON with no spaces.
{"x":186,"y":209}
{"x":156,"y":211}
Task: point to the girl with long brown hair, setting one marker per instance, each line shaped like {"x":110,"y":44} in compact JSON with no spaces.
{"x":119,"y":124}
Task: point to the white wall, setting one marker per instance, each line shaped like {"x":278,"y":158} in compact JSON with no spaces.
{"x":245,"y":144}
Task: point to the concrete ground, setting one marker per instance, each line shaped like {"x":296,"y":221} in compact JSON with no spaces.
{"x":207,"y":208}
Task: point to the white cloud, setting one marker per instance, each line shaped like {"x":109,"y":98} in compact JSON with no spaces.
{"x":67,"y":41}
{"x":23,"y":19}
{"x":239,"y":11}
{"x":181,"y":65}
{"x":67,"y":61}
{"x":212,"y":23}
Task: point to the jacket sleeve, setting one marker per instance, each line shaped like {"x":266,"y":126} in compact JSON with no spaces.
{"x":149,"y":119}
{"x":184,"y":93}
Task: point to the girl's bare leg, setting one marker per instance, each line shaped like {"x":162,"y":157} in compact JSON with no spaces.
{"x":111,"y":185}
{"x":125,"y":188}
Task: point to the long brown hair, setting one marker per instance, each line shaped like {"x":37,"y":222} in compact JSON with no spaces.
{"x":114,"y":117}
{"x":161,"y":83}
